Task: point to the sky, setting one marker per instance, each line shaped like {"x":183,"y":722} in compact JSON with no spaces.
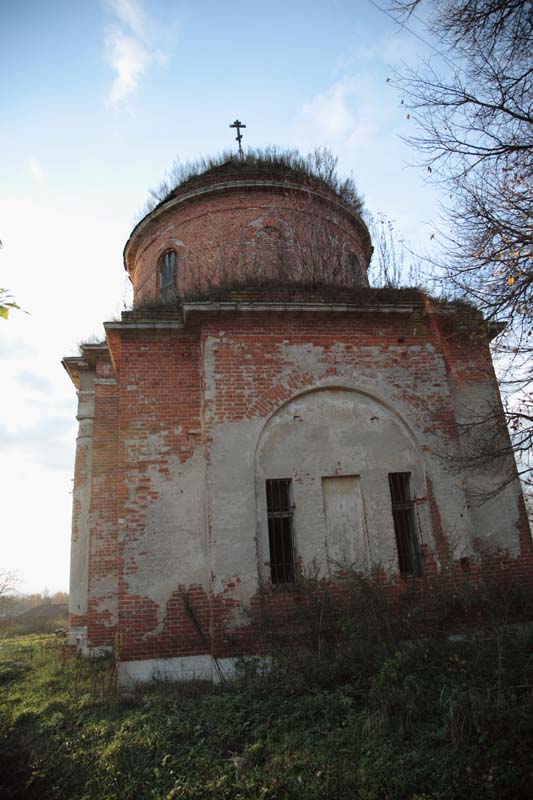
{"x":99,"y":97}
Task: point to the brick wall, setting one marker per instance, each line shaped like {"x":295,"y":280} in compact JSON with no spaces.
{"x":158,"y":542}
{"x":222,"y":238}
{"x":103,"y":553}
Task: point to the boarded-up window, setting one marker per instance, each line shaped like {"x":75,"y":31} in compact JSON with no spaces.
{"x":280,"y":535}
{"x":343,"y":510}
{"x":404,"y":524}
{"x":268,"y":251}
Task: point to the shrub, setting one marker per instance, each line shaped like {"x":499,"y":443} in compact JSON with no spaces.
{"x":343,"y":631}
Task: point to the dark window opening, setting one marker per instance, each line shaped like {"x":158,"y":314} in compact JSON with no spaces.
{"x":404,"y":524}
{"x":280,"y":536}
{"x":168,"y":272}
{"x":354,"y":263}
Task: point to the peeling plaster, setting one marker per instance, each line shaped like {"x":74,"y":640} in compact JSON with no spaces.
{"x":168,"y":546}
{"x":231,"y":506}
{"x":331,"y":432}
{"x":104,"y":594}
{"x":81,"y":498}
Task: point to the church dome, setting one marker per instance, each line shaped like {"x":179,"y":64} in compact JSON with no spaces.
{"x":249,"y":222}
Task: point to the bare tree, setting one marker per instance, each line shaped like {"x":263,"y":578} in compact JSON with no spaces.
{"x":393,"y":262}
{"x":475,"y":136}
{"x":8,"y":584}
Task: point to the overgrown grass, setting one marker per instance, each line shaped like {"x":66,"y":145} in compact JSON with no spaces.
{"x":435,"y":720}
{"x":23,"y":626}
{"x":319,"y":167}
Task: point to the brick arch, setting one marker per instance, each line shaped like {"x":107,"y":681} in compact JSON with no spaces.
{"x":269,"y":220}
{"x":282,"y":452}
{"x":269,"y":231}
{"x":270,"y":250}
{"x":166,"y":245}
{"x":281,"y":394}
{"x":170,"y":243}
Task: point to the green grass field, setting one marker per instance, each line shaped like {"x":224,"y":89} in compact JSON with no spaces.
{"x":436,"y":720}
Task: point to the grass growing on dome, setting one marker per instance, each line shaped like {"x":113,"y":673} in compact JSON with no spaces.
{"x":319,"y":166}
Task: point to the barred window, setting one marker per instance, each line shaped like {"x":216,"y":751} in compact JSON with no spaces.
{"x":280,"y":534}
{"x":168,"y":271}
{"x":404,"y":524}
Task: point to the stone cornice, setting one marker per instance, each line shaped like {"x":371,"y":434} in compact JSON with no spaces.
{"x":82,"y":363}
{"x":416,"y":310}
{"x":313,"y":308}
{"x":74,"y":365}
{"x":143,"y":324}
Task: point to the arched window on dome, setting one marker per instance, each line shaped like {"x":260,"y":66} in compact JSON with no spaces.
{"x":354,"y":263}
{"x":269,"y":251}
{"x":168,"y":275}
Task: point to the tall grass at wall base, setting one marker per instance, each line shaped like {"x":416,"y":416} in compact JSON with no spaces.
{"x":368,"y":716}
{"x":341,"y":632}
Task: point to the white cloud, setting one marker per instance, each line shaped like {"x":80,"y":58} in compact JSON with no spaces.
{"x":128,"y":13}
{"x":129,"y":58}
{"x":68,"y":290}
{"x":34,"y":381}
{"x":345,"y":114}
{"x":129,"y":50}
{"x":329,"y":111}
{"x":357,"y":117}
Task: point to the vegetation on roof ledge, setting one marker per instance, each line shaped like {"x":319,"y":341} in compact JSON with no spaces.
{"x":318,"y":167}
{"x":276,"y":292}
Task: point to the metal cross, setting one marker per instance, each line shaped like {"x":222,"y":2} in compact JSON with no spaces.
{"x":238,"y":124}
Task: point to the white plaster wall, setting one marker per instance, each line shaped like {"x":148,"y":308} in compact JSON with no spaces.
{"x":79,"y":549}
{"x":205,"y":521}
{"x":344,"y":515}
{"x":390,"y":380}
{"x":232,"y":506}
{"x":168,"y":545}
{"x":181,"y":668}
{"x":492,"y":486}
{"x":334,"y":432}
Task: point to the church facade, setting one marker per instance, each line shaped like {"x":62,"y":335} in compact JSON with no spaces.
{"x":262,"y":409}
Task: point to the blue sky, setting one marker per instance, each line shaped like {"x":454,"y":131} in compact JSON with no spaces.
{"x":99,"y":97}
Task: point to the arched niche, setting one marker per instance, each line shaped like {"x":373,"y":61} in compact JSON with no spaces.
{"x":270,"y":256}
{"x":337,"y":447}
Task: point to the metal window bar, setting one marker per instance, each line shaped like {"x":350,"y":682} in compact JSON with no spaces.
{"x":168,"y":270}
{"x":280,"y":535}
{"x":404,"y":524}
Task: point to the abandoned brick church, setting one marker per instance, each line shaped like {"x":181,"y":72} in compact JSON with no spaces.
{"x":262,"y":408}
